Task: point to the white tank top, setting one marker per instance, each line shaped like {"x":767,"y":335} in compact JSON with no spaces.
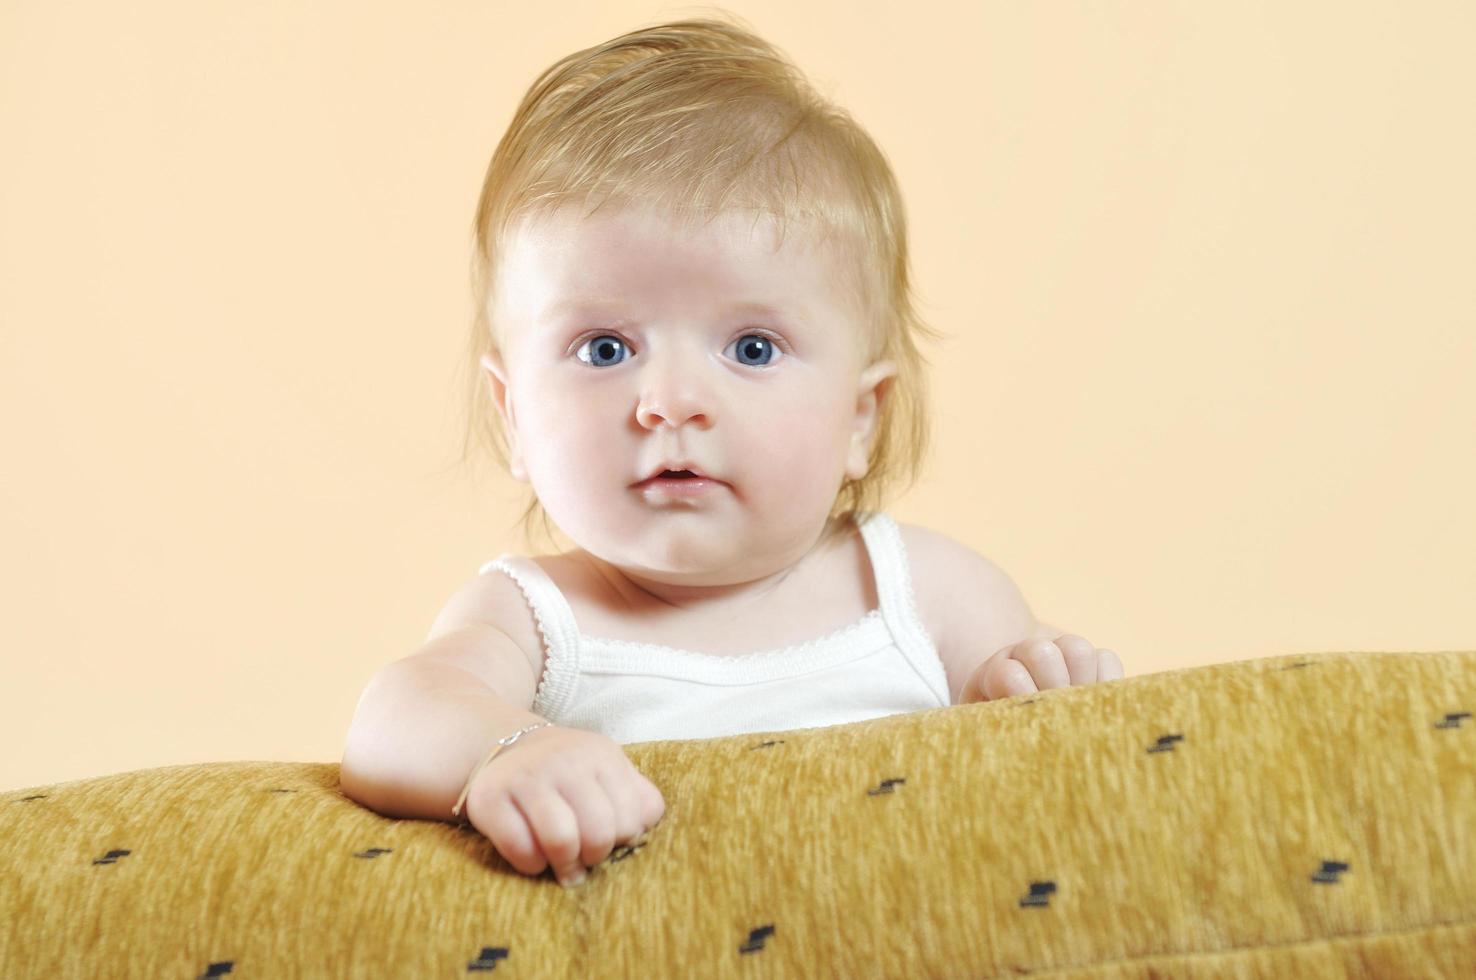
{"x":882,"y":664}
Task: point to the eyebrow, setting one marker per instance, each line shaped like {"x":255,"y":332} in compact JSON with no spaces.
{"x":598,"y":305}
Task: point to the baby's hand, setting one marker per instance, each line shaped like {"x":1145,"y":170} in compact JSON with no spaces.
{"x":1038,"y":665}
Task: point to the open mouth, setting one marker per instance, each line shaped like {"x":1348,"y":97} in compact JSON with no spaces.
{"x":679,"y":483}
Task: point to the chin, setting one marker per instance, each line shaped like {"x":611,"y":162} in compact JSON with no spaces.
{"x":682,"y":557}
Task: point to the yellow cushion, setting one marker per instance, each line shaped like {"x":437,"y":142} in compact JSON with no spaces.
{"x":1292,"y":816}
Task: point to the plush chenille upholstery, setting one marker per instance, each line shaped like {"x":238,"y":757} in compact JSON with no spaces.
{"x":1308,"y":815}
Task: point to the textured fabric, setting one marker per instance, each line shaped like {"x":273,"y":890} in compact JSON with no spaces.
{"x":882,"y":664}
{"x":1302,"y":816}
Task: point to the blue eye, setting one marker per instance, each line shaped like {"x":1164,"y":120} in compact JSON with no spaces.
{"x":602,"y":351}
{"x":756,"y":346}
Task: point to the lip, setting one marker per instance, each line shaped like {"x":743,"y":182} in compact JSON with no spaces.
{"x":677,"y":466}
{"x":678,"y":487}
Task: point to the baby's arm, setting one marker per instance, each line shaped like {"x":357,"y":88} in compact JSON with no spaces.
{"x":989,"y":640}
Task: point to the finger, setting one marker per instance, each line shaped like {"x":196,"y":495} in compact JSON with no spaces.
{"x":1044,"y":661}
{"x":549,"y":819}
{"x":1109,"y":667}
{"x":507,"y":828}
{"x":591,"y":804}
{"x":554,"y":825}
{"x":653,"y":805}
{"x":1007,"y":678}
{"x":626,"y":808}
{"x":1080,"y":655}
{"x":985,"y":669}
{"x":973,"y":689}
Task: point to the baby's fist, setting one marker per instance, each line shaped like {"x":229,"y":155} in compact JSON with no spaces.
{"x":1038,"y":665}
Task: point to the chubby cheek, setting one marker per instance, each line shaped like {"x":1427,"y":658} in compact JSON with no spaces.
{"x":795,"y":457}
{"x":569,"y":437}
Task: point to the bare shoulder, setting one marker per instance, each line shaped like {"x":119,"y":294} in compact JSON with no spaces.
{"x":492,"y":598}
{"x":969,"y":605}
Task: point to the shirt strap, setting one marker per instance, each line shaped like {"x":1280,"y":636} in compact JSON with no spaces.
{"x":555,"y":623}
{"x":893,"y":577}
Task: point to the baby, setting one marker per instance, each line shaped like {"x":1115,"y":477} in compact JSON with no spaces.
{"x":710,"y":380}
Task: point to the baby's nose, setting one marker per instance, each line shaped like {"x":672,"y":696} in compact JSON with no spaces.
{"x":672,"y":410}
{"x":674,"y":398}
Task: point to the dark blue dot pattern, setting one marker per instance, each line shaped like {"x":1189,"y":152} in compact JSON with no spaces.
{"x":1311,"y":815}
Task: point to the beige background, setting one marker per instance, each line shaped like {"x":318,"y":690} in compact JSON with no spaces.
{"x":1206,"y":270}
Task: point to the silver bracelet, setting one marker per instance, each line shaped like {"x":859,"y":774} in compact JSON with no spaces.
{"x":502,"y":743}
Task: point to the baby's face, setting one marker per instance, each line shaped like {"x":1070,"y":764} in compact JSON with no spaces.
{"x":626,"y":350}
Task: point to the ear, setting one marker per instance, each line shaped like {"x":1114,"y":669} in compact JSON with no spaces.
{"x":496,"y":370}
{"x":872,"y":387}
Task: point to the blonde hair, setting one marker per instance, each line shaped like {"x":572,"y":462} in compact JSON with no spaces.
{"x":702,"y":118}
